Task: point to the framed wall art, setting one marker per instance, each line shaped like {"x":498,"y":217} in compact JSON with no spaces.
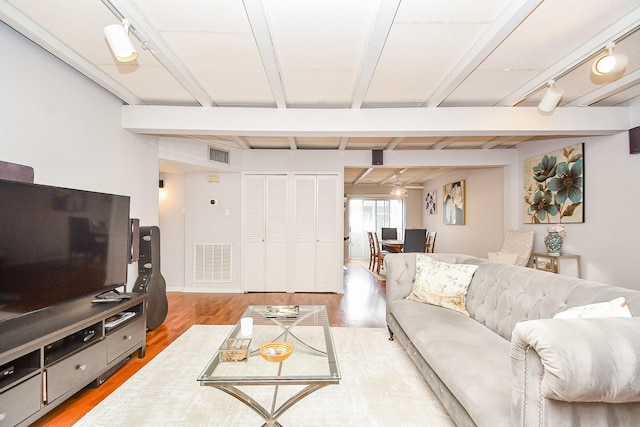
{"x":554,"y":187}
{"x":430,"y":202}
{"x":453,"y":205}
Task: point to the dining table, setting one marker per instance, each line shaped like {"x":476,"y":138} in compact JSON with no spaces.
{"x":392,"y":245}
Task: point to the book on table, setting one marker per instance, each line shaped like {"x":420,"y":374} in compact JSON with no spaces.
{"x":291,"y":311}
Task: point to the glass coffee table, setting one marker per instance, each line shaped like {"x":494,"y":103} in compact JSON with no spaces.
{"x":312,"y":364}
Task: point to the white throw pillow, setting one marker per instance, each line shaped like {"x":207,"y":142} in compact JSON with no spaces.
{"x":614,"y":308}
{"x":441,"y":283}
{"x":503,"y":257}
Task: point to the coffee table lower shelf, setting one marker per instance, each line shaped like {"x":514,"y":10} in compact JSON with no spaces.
{"x":312,"y":364}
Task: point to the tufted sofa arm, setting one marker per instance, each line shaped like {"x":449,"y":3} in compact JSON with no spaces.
{"x":573,"y":360}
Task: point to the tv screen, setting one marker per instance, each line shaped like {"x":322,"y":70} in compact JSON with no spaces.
{"x":59,"y":244}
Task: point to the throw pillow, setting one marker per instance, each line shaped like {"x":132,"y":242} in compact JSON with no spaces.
{"x":441,"y":283}
{"x":503,"y":257}
{"x":614,"y":308}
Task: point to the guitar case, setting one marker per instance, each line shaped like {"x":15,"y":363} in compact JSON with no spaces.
{"x":150,"y":278}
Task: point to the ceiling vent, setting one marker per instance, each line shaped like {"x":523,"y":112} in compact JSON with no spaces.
{"x":218,"y":155}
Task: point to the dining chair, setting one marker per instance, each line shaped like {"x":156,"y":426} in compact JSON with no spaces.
{"x":380,"y":253}
{"x":415,"y":240}
{"x":372,"y":251}
{"x":389,"y":233}
{"x":431,"y":242}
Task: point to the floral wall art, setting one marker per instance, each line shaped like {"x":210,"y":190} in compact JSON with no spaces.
{"x":453,"y":203}
{"x":430,"y":202}
{"x":554,"y":187}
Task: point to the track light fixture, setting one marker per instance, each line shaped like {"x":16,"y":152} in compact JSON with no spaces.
{"x":551,"y":98}
{"x":118,"y":38}
{"x":609,"y":63}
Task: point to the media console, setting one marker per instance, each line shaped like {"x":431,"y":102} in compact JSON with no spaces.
{"x":49,"y":355}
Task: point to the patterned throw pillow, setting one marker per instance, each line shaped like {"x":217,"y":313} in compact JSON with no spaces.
{"x":441,"y":283}
{"x":614,"y":308}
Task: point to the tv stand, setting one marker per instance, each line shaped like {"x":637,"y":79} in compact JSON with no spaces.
{"x":48,"y":356}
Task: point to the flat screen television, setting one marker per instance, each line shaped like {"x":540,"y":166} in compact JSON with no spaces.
{"x":59,"y":244}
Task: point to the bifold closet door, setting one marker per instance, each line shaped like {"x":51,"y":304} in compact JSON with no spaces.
{"x":265,"y":241}
{"x":317,"y":256}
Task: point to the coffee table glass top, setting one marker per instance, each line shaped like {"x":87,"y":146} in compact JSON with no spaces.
{"x":313,"y":358}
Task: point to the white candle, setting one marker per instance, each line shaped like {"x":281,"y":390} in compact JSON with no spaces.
{"x":246,"y":326}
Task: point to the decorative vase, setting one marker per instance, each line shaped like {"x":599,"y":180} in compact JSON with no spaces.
{"x":553,"y":241}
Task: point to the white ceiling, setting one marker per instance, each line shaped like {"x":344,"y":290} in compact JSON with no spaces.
{"x":290,"y":55}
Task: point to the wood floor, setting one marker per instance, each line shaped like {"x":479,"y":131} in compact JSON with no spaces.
{"x":361,"y":305}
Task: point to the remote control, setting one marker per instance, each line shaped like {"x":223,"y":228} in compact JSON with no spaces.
{"x":106,"y":299}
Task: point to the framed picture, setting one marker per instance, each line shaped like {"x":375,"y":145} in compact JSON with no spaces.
{"x":554,"y":187}
{"x":430,"y":202}
{"x":453,"y":203}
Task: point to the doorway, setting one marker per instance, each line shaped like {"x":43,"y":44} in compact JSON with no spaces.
{"x":372,"y":215}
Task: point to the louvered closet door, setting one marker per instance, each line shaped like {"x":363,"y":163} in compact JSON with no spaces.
{"x":328,"y":235}
{"x":265,"y":244}
{"x":253,"y":261}
{"x":317,"y":256}
{"x":275,"y":234}
{"x":305,"y":234}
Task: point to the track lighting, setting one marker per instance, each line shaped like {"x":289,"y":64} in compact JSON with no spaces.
{"x":609,"y":63}
{"x":551,"y":98}
{"x":118,"y":38}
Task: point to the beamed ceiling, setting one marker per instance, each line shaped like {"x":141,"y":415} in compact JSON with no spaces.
{"x":350,"y":75}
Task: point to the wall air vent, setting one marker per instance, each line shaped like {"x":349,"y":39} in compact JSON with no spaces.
{"x":218,"y":155}
{"x":212,"y":262}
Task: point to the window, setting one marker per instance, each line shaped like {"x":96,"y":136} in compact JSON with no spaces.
{"x":371,"y":215}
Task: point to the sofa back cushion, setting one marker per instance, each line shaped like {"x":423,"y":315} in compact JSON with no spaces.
{"x":501,"y":295}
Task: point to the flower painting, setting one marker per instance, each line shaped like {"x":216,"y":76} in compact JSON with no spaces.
{"x":554,"y":187}
{"x":430,"y":202}
{"x":453,"y":203}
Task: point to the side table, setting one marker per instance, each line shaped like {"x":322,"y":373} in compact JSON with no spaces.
{"x":552,"y":263}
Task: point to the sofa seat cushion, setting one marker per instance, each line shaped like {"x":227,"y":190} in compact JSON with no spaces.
{"x":473,"y":361}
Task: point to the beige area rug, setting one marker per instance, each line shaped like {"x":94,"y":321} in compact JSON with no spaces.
{"x":380,"y":387}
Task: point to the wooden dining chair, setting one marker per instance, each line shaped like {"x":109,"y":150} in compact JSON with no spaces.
{"x":431,"y":242}
{"x":372,"y":251}
{"x":380,"y":253}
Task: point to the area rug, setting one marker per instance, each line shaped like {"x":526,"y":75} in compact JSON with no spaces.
{"x":380,"y":387}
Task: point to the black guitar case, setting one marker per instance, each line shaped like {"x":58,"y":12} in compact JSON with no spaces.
{"x":150,"y":279}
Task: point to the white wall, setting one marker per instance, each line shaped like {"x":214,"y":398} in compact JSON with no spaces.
{"x":172,"y":224}
{"x":68,"y":129}
{"x":484,"y":226}
{"x":607,"y":241}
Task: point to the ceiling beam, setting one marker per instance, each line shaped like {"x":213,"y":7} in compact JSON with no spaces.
{"x":362,"y":175}
{"x":343,"y":143}
{"x":393,"y":143}
{"x":262,"y":35}
{"x":606,"y":91}
{"x":592,"y":47}
{"x":156,"y":44}
{"x":293,"y":144}
{"x":242,"y":142}
{"x":24,"y":25}
{"x":502,"y":140}
{"x":389,"y":122}
{"x":498,"y":31}
{"x":377,"y":39}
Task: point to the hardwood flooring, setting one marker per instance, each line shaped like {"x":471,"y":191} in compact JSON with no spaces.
{"x":361,"y":305}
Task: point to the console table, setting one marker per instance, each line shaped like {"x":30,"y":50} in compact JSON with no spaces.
{"x":546,"y":262}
